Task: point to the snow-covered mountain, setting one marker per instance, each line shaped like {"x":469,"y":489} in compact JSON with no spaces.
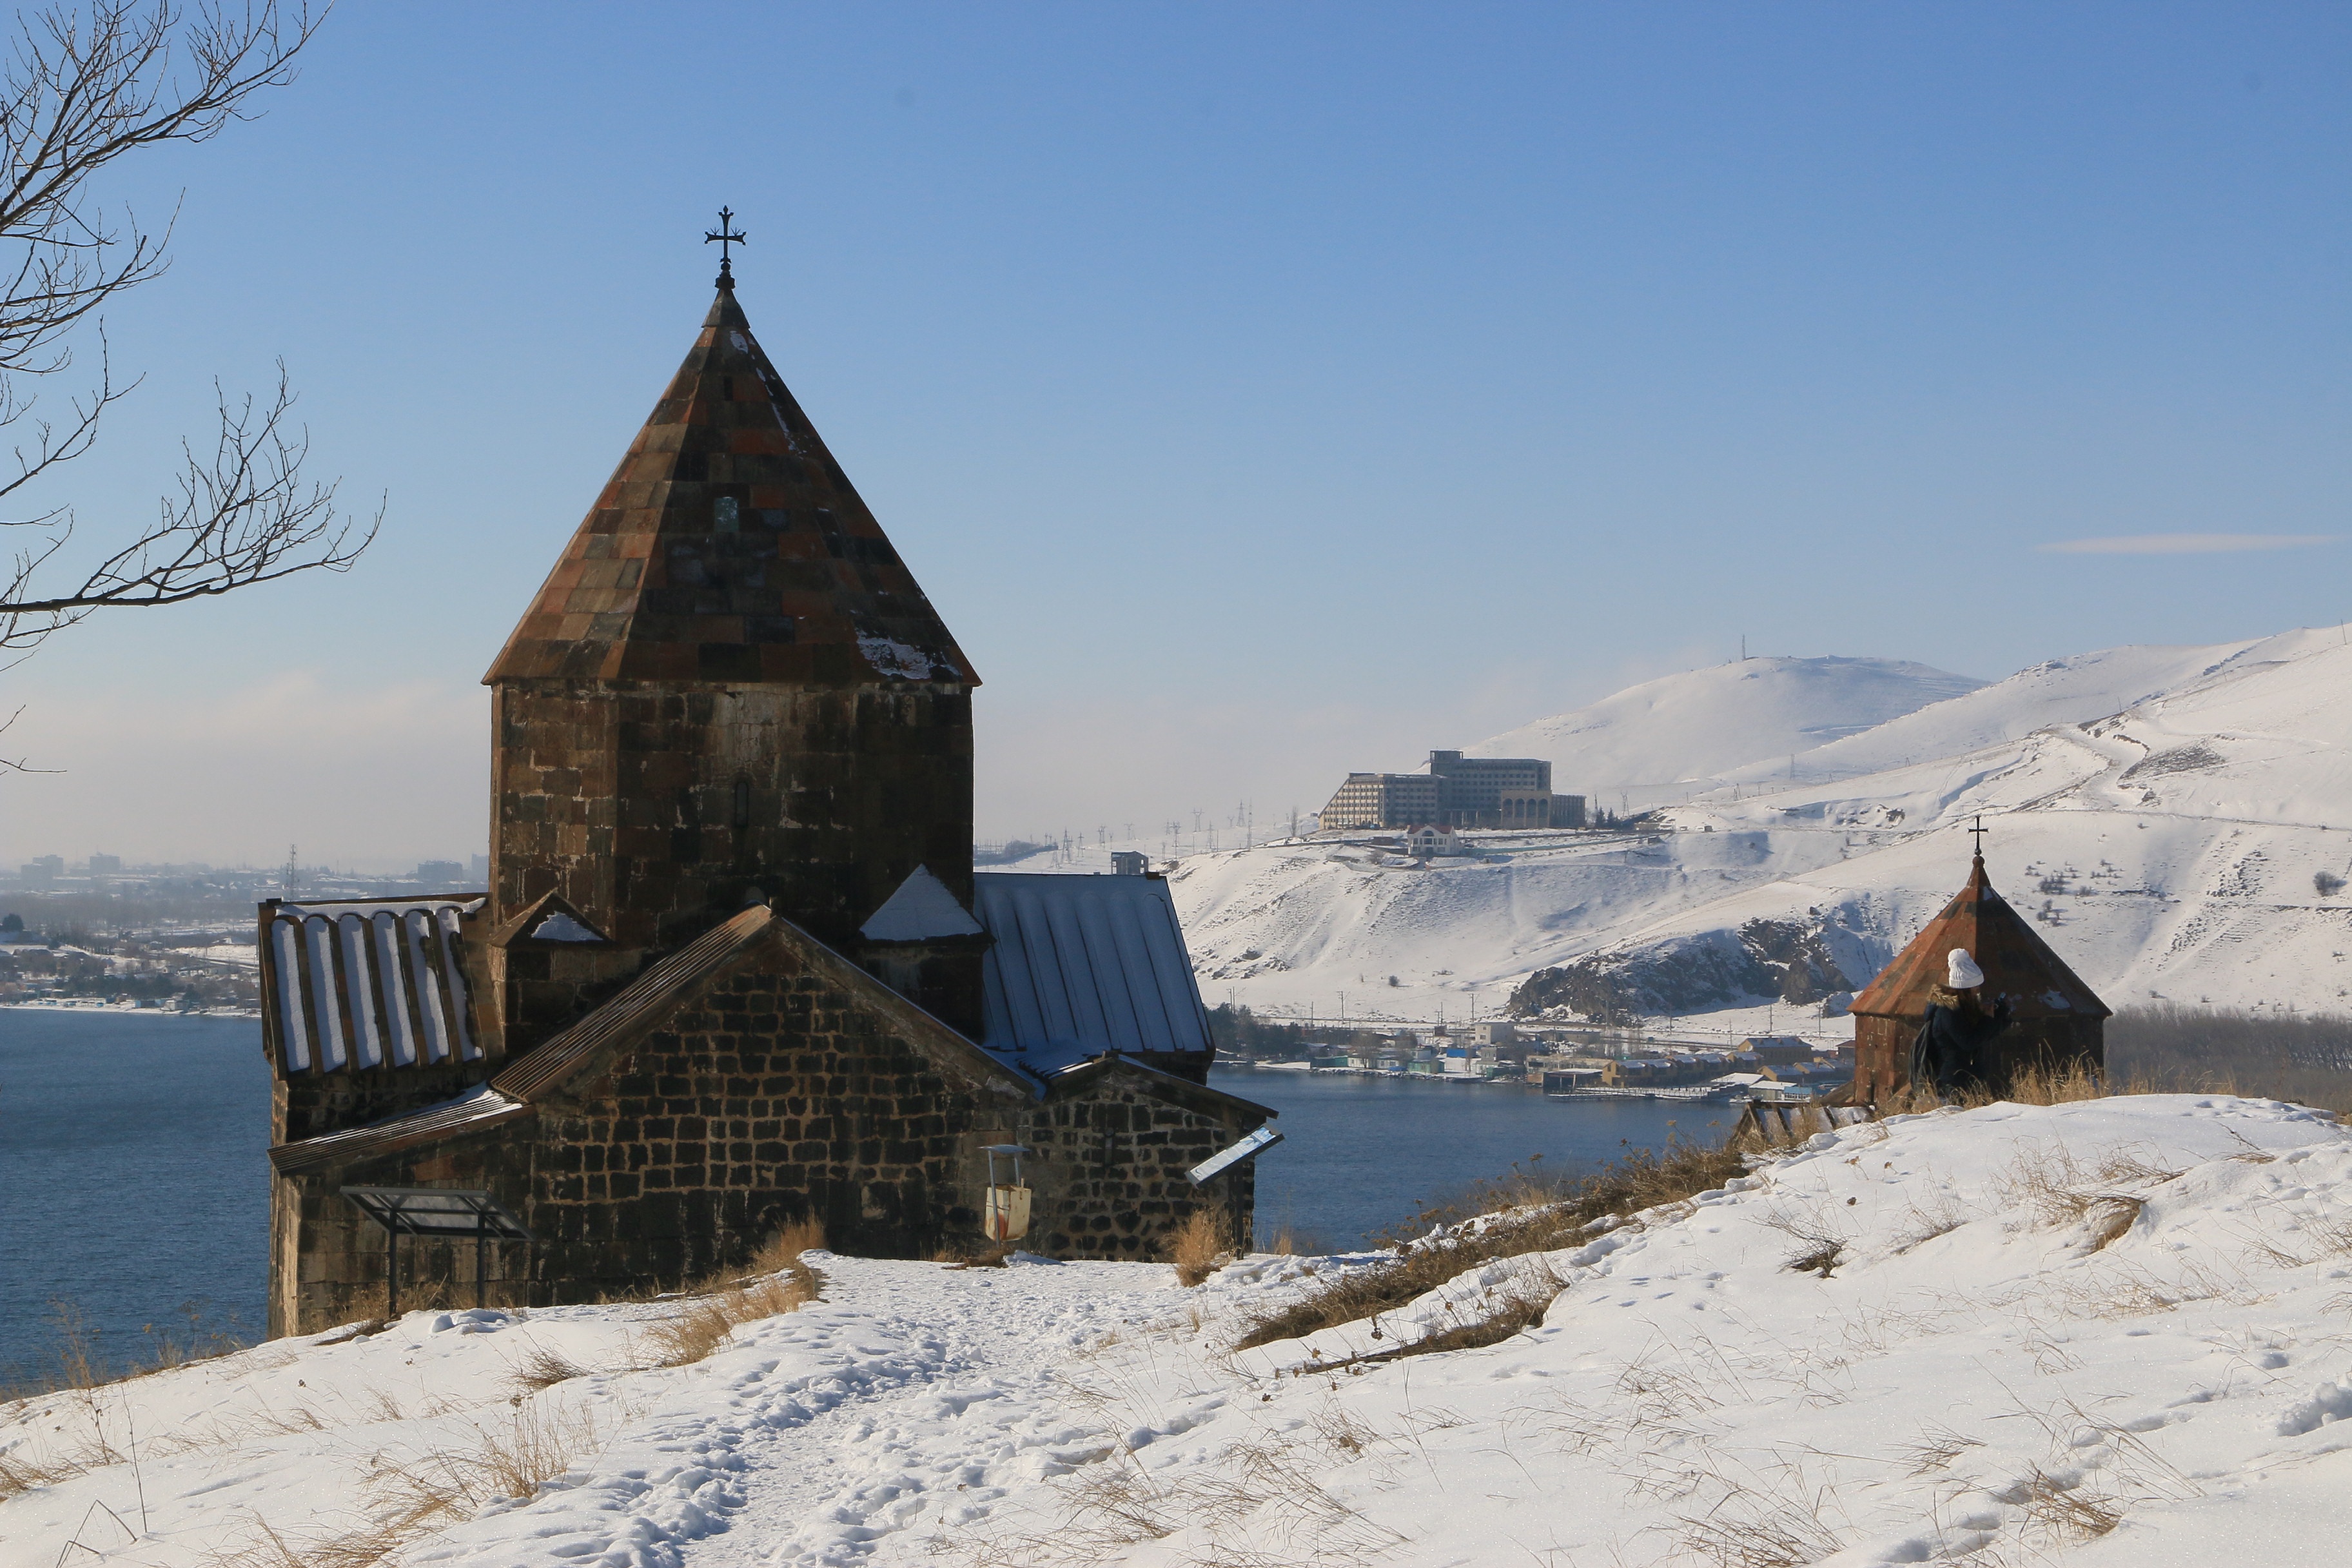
{"x":1660,"y":742}
{"x":2174,"y":816}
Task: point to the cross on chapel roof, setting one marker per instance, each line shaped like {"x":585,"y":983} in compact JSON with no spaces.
{"x":725,"y":237}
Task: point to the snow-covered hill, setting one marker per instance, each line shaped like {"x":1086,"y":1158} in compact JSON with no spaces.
{"x":2104,"y":1333}
{"x":2164,"y":811}
{"x":1659,"y":741}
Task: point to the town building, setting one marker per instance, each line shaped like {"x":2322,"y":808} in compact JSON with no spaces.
{"x":1380,"y":800}
{"x":1456,"y":791}
{"x":733,"y":968}
{"x":1430,"y":843}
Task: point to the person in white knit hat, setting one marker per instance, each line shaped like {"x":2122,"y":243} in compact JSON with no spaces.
{"x":1949,"y":1054}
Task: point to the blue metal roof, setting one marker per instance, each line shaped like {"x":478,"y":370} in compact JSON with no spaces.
{"x":1082,"y":965}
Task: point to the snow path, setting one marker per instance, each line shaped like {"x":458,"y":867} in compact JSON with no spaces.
{"x":904,"y":1407}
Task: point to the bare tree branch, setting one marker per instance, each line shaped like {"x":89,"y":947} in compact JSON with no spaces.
{"x":242,"y":517}
{"x":18,"y":764}
{"x":87,"y":84}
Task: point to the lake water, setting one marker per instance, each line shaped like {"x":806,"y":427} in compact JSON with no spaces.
{"x":1359,"y":1154}
{"x":133,"y":1181}
{"x":133,"y":1178}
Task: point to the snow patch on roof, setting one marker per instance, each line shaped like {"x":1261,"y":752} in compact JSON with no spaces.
{"x":560,"y":926}
{"x":896,"y":659}
{"x":921,"y":909}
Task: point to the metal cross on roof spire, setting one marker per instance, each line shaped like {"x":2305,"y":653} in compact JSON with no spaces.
{"x":1980,"y":831}
{"x":726,"y":237}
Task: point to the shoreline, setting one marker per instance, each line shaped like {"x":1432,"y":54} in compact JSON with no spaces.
{"x":117,"y":1010}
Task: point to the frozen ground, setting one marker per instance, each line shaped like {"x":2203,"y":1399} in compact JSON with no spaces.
{"x":2111,"y":1333}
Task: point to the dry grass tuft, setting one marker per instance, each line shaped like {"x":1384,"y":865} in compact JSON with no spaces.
{"x":1821,"y":1247}
{"x":2029,"y":1085}
{"x":1821,"y":1259}
{"x":2057,"y":1188}
{"x":1936,"y":1448}
{"x":1501,"y":1311}
{"x":780,"y":1253}
{"x":541,"y":1368}
{"x":1941,"y":1215}
{"x":2068,"y":1514}
{"x":716,"y":1307}
{"x":23,"y":1472}
{"x":1259,"y":1503}
{"x":2110,"y":1218}
{"x":707,"y":1321}
{"x":1201,"y":1246}
{"x":1781,"y":1535}
{"x":1520,"y":1214}
{"x":408,"y":1498}
{"x":2062,"y":1086}
{"x":362,"y":1545}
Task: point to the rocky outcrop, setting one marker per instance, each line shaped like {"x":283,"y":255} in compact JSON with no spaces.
{"x":1763,"y":961}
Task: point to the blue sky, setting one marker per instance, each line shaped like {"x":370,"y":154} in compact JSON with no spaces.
{"x":1259,"y":391}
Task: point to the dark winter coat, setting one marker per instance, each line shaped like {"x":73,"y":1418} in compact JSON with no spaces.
{"x":1949,"y":1052}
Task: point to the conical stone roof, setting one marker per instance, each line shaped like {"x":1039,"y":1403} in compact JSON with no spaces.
{"x":729,"y":547}
{"x":2017,"y":962}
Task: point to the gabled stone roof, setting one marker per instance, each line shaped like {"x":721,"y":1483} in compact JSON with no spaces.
{"x":728,"y":546}
{"x":2016,"y":961}
{"x":1092,"y":933}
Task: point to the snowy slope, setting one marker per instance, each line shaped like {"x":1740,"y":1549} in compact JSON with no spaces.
{"x":2062,"y":691}
{"x":1655,"y":743}
{"x":2175,"y":805}
{"x":2106,"y":1333}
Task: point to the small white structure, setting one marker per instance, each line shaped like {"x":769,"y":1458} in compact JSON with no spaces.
{"x":1427,"y":841}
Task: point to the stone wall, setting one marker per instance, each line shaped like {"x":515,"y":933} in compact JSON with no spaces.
{"x":1110,"y":1163}
{"x":327,"y":1260}
{"x":792,"y":1087}
{"x":654,"y":809}
{"x":1883,"y":1046}
{"x":307,"y":1104}
{"x":775,"y":1097}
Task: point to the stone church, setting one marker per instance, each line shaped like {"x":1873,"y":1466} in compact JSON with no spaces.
{"x":734,"y":968}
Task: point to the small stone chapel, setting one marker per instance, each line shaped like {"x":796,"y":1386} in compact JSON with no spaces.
{"x":2058,"y":1022}
{"x":734,"y":968}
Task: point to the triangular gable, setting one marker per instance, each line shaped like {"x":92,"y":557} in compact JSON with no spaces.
{"x":922,"y":910}
{"x":548,"y":917}
{"x":585,"y":1049}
